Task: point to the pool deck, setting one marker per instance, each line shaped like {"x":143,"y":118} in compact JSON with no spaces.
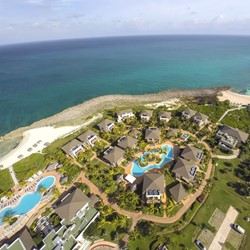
{"x":8,"y":231}
{"x":128,"y":169}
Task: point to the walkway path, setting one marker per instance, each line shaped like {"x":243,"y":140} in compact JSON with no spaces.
{"x":104,"y":245}
{"x":224,"y":229}
{"x":229,"y":110}
{"x":13,"y":175}
{"x":139,"y":216}
{"x":228,"y":157}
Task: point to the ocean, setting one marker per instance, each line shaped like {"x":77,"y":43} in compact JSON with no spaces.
{"x":40,"y":79}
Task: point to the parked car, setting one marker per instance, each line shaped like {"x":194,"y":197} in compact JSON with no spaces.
{"x":238,"y":228}
{"x":201,"y":198}
{"x":199,"y":245}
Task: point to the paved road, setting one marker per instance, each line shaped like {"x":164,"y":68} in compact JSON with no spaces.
{"x":221,"y":235}
{"x":13,"y":175}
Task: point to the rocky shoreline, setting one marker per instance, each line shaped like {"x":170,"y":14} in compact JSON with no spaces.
{"x":91,"y":107}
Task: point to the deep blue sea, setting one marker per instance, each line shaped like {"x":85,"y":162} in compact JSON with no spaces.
{"x":40,"y":79}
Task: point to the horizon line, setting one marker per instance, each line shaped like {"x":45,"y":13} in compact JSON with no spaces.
{"x":121,"y":36}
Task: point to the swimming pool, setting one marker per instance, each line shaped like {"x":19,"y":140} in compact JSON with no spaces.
{"x":137,"y":170}
{"x":28,"y":201}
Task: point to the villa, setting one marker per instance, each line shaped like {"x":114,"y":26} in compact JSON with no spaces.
{"x":184,"y":169}
{"x":134,"y":132}
{"x":106,"y":125}
{"x":178,"y":192}
{"x":124,"y":114}
{"x":192,"y":153}
{"x":188,"y":113}
{"x":127,"y":142}
{"x":88,"y":138}
{"x":73,"y":148}
{"x":21,"y":241}
{"x":114,"y":155}
{"x":230,"y":137}
{"x":153,"y":188}
{"x":152,"y":135}
{"x":173,"y":132}
{"x":200,"y":119}
{"x":145,"y":115}
{"x":77,"y":215}
{"x":164,"y":116}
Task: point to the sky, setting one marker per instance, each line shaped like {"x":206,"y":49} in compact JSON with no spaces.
{"x":37,"y":20}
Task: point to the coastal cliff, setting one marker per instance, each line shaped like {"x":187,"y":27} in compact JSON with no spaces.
{"x":98,"y":104}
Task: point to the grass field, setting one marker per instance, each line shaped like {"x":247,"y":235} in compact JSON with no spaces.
{"x":5,"y":180}
{"x":28,"y":166}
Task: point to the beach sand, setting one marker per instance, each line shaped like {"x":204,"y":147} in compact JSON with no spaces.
{"x":234,"y":98}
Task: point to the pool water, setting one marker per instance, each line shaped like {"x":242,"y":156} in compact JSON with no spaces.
{"x":28,"y":201}
{"x":137,"y":170}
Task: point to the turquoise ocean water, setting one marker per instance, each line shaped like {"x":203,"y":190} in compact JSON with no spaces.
{"x":40,"y":79}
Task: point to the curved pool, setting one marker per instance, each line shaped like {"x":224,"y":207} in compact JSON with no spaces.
{"x":28,"y":201}
{"x":137,"y":170}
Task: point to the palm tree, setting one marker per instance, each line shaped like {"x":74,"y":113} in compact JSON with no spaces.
{"x":134,"y":235}
{"x":41,"y":189}
{"x":8,"y":217}
{"x":102,"y":222}
{"x":123,"y":222}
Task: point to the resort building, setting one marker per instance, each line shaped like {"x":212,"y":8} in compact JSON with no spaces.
{"x":173,"y":132}
{"x":73,"y":148}
{"x":200,"y":119}
{"x":114,"y":155}
{"x":188,"y":113}
{"x":178,"y":192}
{"x":152,"y":135}
{"x":106,"y":125}
{"x":127,"y":142}
{"x":134,"y":132}
{"x":164,"y":116}
{"x":146,"y":115}
{"x":88,"y":138}
{"x":124,"y":114}
{"x":192,"y":153}
{"x":184,"y":169}
{"x":20,"y":241}
{"x":77,"y":215}
{"x":230,"y":137}
{"x":53,"y":166}
{"x":153,"y":188}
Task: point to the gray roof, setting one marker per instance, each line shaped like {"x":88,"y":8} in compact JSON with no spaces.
{"x":71,"y":204}
{"x":241,"y":136}
{"x":190,"y":153}
{"x":52,"y":166}
{"x":115,"y":155}
{"x":183,"y":167}
{"x":84,"y":136}
{"x":126,"y":142}
{"x":134,"y":132}
{"x":178,"y":192}
{"x":148,"y":113}
{"x":153,"y":182}
{"x":68,"y":147}
{"x":124,"y":112}
{"x":189,"y":111}
{"x":27,"y":239}
{"x":165,"y":114}
{"x":201,"y":116}
{"x":152,"y":133}
{"x":103,"y":124}
{"x":173,"y":132}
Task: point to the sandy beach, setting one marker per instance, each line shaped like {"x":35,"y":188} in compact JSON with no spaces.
{"x":234,"y":98}
{"x":35,"y":140}
{"x":78,"y":114}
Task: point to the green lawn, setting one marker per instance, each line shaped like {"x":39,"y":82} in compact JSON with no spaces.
{"x":238,"y":119}
{"x":28,"y":166}
{"x":5,"y":180}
